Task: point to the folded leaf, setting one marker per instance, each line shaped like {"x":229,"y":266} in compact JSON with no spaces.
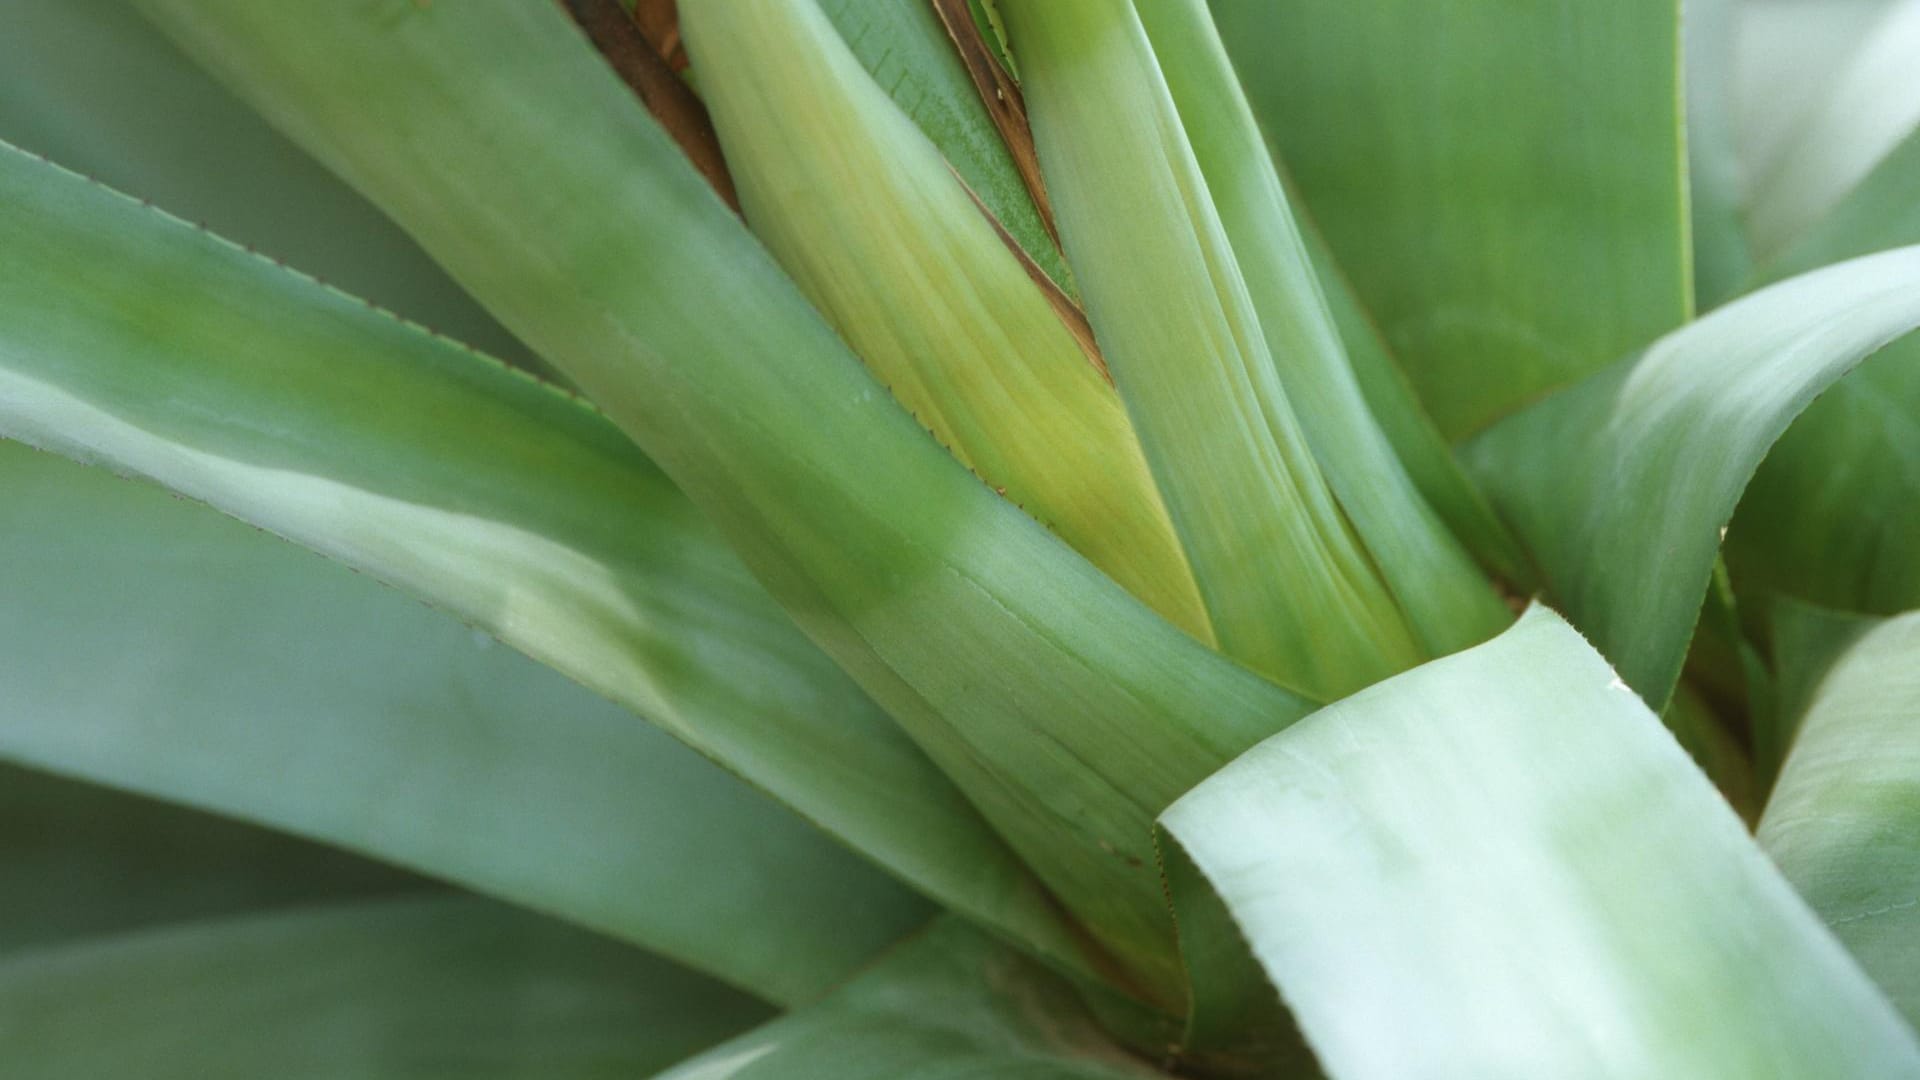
{"x":1621,"y":485}
{"x":394,"y":990}
{"x":948,"y":1003}
{"x":178,"y":654}
{"x":1067,"y":710}
{"x":129,"y":338}
{"x":1288,"y":585}
{"x":1500,"y":864}
{"x":82,"y":860}
{"x":1501,"y":181}
{"x":1447,"y":601}
{"x":1844,"y":820}
{"x":885,"y":239}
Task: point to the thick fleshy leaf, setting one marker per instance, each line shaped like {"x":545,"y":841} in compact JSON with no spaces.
{"x":1872,"y":105}
{"x":1622,"y":485}
{"x":1502,"y":182}
{"x":1789,"y":54}
{"x":1288,"y":585}
{"x":948,"y":1003}
{"x":90,"y":84}
{"x":176,"y":653}
{"x":81,"y":860}
{"x":1447,"y":600}
{"x":1844,"y":819}
{"x":1500,"y":864}
{"x":884,"y":238}
{"x":1068,"y":711}
{"x":394,"y":990}
{"x":131,"y":339}
{"x":906,"y":50}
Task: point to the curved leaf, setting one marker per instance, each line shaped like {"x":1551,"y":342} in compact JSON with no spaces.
{"x":379,"y":991}
{"x":1500,"y":864}
{"x":1068,"y":711}
{"x":1502,"y":182}
{"x":1844,"y":819}
{"x":178,"y":654}
{"x":1621,"y":485}
{"x":945,"y":1004}
{"x":128,"y":338}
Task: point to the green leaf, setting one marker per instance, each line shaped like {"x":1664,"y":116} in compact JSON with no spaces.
{"x":1872,"y":105}
{"x":1500,"y":864}
{"x":1621,"y":486}
{"x":1844,"y":819}
{"x":882,"y":236}
{"x":1068,"y":712}
{"x":82,"y":860}
{"x":1721,"y":255}
{"x":903,"y":46}
{"x":948,"y":1003}
{"x":1288,"y":585}
{"x":1448,"y":602}
{"x":181,"y":655}
{"x":1502,"y":182}
{"x":395,"y":989}
{"x":90,"y":84}
{"x":130,"y":339}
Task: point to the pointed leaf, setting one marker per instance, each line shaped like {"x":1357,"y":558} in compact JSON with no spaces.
{"x":1642,"y":464}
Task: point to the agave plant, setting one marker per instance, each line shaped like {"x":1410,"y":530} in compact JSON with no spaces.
{"x":1045,"y":538}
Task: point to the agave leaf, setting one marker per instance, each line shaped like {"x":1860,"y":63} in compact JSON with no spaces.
{"x":82,"y":860}
{"x":133,"y":340}
{"x":1288,"y":586}
{"x":1872,"y":105}
{"x":1843,"y":822}
{"x":884,"y":238}
{"x":380,"y":990}
{"x":1426,"y":456}
{"x":903,"y":46}
{"x":90,"y":84}
{"x":181,"y":655}
{"x":1448,"y":602}
{"x":1500,"y":864}
{"x":1622,"y":485}
{"x":1789,"y":54}
{"x":1833,"y":515}
{"x":1502,"y":182}
{"x":948,"y":1003}
{"x":1067,"y":710}
{"x":1721,"y":255}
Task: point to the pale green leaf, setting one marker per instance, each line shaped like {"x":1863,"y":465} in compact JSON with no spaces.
{"x":876,"y":229}
{"x":1288,"y":585}
{"x":946,"y":1004}
{"x":1622,"y":485}
{"x":1502,"y":182}
{"x":130,"y":339}
{"x":1068,"y":712}
{"x":1844,"y":819}
{"x":393,"y":990}
{"x":1448,"y":602}
{"x":1721,"y":255}
{"x":1500,"y":864}
{"x":182,"y":655}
